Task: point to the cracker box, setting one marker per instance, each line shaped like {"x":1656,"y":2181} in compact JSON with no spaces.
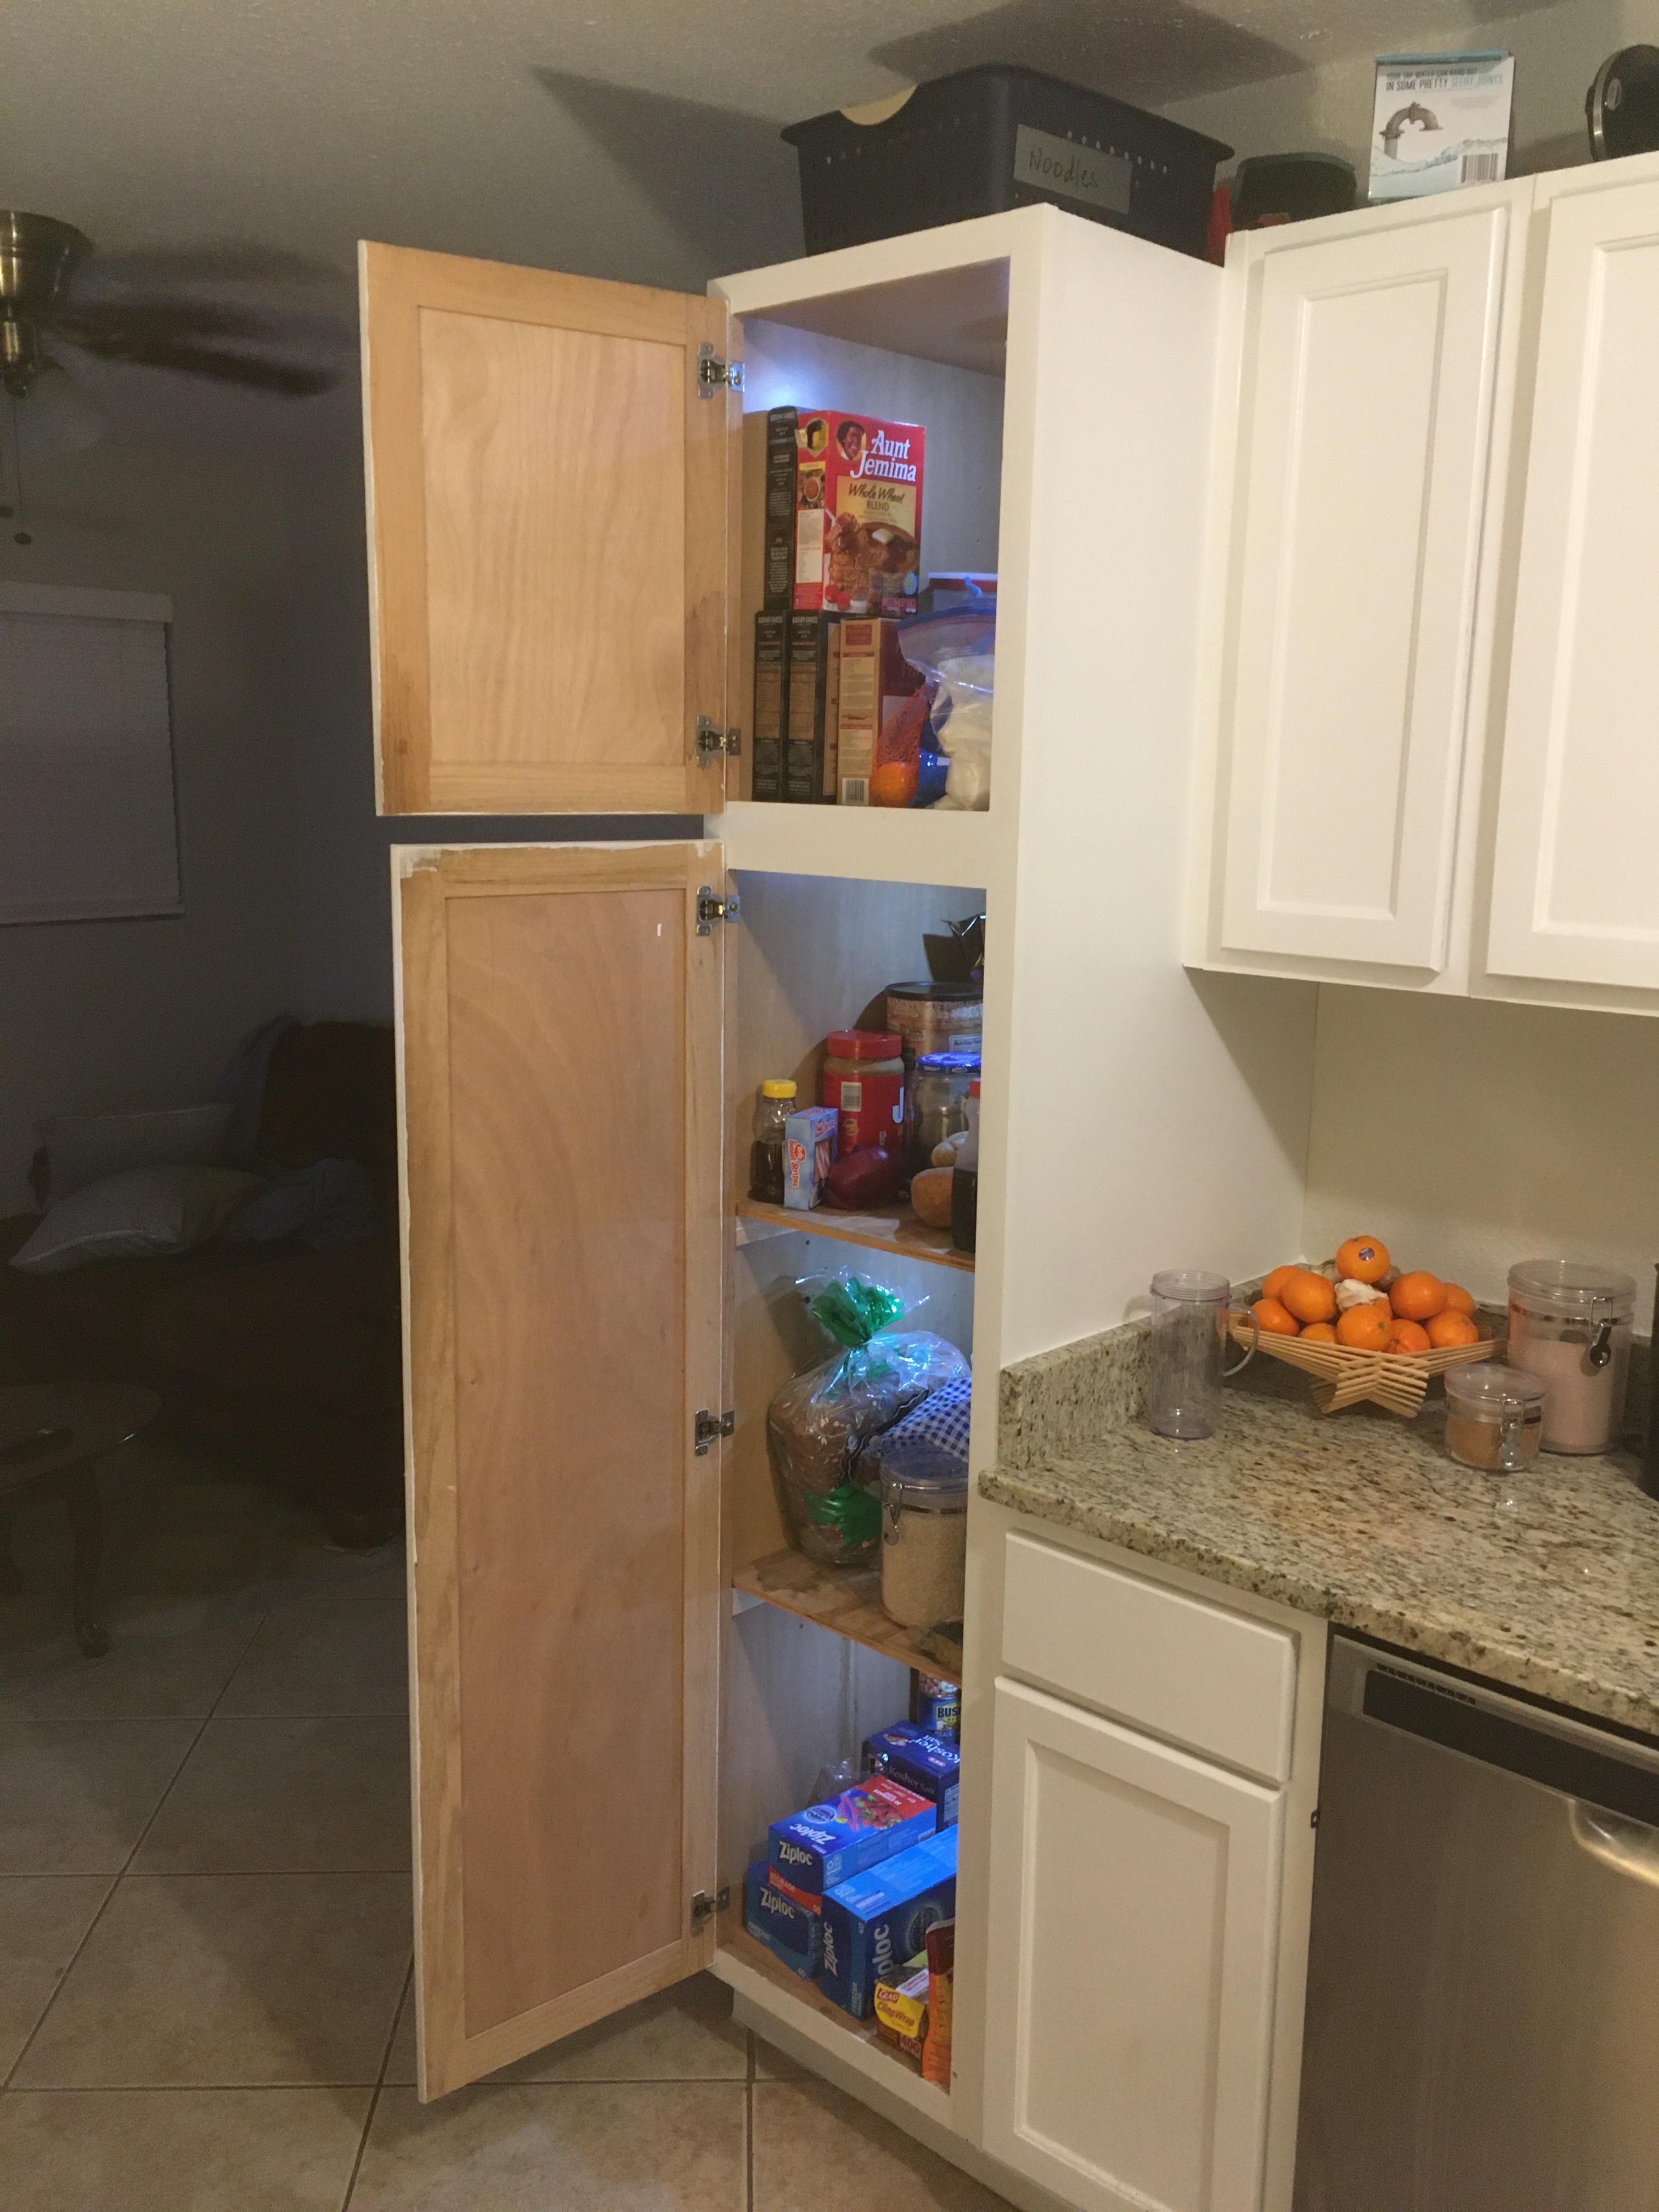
{"x":929,"y":1764}
{"x":1440,"y":120}
{"x":788,"y":1930}
{"x":877,"y":1918}
{"x":826,"y":1843}
{"x":858,"y":512}
{"x":877,"y":685}
{"x":808,"y":1153}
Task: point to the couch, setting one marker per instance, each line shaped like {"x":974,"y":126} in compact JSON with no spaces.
{"x":286,"y":1358}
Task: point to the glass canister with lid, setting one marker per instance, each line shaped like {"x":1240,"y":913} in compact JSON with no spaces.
{"x":938,"y":1104}
{"x":1570,"y":1325}
{"x":1494,"y":1416}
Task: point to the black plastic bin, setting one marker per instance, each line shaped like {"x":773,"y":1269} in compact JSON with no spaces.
{"x":992,"y":138}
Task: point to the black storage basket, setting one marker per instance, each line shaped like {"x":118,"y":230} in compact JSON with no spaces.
{"x":991,"y":138}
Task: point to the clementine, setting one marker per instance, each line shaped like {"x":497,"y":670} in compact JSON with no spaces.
{"x":1407,"y":1336}
{"x":1450,"y":1328}
{"x":1319,"y":1332}
{"x":1274,"y":1284}
{"x":1363,"y":1259}
{"x":894,"y":783}
{"x":1309,"y":1296}
{"x":1274,"y":1319}
{"x":1419,"y":1295}
{"x":1458,"y":1300}
{"x":1365,"y":1329}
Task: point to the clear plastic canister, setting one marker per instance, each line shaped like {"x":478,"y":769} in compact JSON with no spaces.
{"x":1570,"y":1325}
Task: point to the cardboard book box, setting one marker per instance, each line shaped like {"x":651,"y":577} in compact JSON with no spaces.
{"x":858,"y":512}
{"x":812,"y":706}
{"x":771,"y":705}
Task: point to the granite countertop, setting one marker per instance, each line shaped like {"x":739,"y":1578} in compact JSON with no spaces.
{"x":1363,"y":1519}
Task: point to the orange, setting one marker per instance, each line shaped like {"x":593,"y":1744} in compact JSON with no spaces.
{"x":1309,"y":1296}
{"x":1407,"y":1336}
{"x":1458,"y":1300}
{"x":894,"y":783}
{"x":1365,"y":1329}
{"x":1363,"y":1259}
{"x":1274,"y":1284}
{"x":1419,"y":1295}
{"x":1319,"y":1332}
{"x":1448,"y":1329}
{"x":1274,"y":1320}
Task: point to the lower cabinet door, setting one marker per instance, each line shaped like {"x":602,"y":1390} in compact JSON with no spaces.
{"x":1132,"y":1931}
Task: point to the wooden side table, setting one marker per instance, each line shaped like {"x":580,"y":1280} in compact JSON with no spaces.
{"x":58,"y":1433}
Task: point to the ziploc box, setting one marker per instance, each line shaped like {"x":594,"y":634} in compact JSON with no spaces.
{"x":881,"y":1917}
{"x":929,"y":1764}
{"x":788,"y":1929}
{"x":828,"y":1843}
{"x":808,"y":1153}
{"x":1440,"y":120}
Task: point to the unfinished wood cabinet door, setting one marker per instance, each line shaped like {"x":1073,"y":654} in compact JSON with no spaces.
{"x":548,"y":495}
{"x":559,"y":1057}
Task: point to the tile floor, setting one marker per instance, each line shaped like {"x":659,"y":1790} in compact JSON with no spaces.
{"x":204,"y":1922}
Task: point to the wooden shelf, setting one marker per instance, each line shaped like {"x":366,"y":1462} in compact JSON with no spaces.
{"x":883,"y":1229}
{"x":756,"y":1956}
{"x":848,"y":1601}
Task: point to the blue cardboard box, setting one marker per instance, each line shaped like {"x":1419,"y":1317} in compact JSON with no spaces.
{"x":826,"y":1843}
{"x":879,"y":1747}
{"x":929,"y":1764}
{"x":881,"y":1917}
{"x":788,"y":1930}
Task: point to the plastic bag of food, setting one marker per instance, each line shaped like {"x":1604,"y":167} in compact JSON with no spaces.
{"x":957,"y":650}
{"x":820,"y":1422}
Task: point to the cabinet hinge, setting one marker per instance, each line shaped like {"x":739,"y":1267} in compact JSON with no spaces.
{"x":704,"y":1907}
{"x":714,"y":374}
{"x":712,"y":907}
{"x":710,"y":1426}
{"x":713,"y":739}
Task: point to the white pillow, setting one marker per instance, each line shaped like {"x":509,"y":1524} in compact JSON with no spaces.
{"x":84,"y":1148}
{"x":132,"y":1216}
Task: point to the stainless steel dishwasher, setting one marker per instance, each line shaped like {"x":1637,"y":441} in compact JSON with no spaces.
{"x":1483,"y":1990}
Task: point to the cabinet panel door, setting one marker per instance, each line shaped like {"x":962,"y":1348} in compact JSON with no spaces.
{"x":548,"y":538}
{"x":1133,"y":1925}
{"x":559,"y":1074}
{"x":1575,"y":890}
{"x":1364,"y":441}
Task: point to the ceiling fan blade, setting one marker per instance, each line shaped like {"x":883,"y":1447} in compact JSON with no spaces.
{"x":288,"y":379}
{"x":114,"y":327}
{"x":216,"y":261}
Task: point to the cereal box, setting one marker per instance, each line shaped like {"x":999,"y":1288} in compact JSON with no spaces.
{"x":830,"y":1843}
{"x":858,"y":512}
{"x":808,"y":1153}
{"x":1440,"y":120}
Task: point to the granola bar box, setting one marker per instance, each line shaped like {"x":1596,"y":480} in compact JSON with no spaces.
{"x":858,"y":512}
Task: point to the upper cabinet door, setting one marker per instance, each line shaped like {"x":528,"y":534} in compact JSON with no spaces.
{"x":559,"y":1061}
{"x":1369,"y":372}
{"x":1575,"y":892}
{"x":548,"y":538}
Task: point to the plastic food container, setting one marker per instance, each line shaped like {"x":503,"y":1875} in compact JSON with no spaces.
{"x":989,"y":138}
{"x":936,"y":1017}
{"x":1494,"y":1416}
{"x":924,"y":1543}
{"x":1570,"y":1325}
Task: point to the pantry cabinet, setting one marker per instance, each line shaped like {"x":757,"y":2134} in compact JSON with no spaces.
{"x":1424,"y":756}
{"x":621,"y":1673}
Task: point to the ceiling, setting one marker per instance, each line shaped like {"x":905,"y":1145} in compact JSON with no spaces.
{"x":633,"y":138}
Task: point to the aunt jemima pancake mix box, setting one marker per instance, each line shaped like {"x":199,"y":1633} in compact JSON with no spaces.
{"x":858,"y":512}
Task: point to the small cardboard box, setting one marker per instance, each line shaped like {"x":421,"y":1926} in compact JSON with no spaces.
{"x":881,"y":1917}
{"x":858,"y":512}
{"x":771,"y":705}
{"x":929,"y":1764}
{"x":1440,"y":120}
{"x":826,"y":1843}
{"x":813,"y":692}
{"x":808,"y":1153}
{"x":788,"y":1930}
{"x":876,"y":682}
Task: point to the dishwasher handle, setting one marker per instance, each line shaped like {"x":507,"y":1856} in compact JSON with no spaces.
{"x":1629,"y":1847}
{"x":1486,"y":1729}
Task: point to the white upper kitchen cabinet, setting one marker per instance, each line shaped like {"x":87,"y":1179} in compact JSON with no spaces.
{"x":1575,"y":891}
{"x":1350,"y":522}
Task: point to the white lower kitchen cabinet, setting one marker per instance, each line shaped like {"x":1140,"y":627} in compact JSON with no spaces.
{"x":1147,"y":1900}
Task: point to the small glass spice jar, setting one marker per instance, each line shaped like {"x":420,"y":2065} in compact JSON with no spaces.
{"x":1570,"y":1324}
{"x":1494,"y":1416}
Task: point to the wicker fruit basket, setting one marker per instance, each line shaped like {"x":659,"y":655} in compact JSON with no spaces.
{"x":1397,"y":1380}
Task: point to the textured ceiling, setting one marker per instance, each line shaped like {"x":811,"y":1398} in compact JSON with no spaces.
{"x":635,"y":139}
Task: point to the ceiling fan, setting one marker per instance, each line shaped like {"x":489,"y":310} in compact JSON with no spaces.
{"x":156,"y":310}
